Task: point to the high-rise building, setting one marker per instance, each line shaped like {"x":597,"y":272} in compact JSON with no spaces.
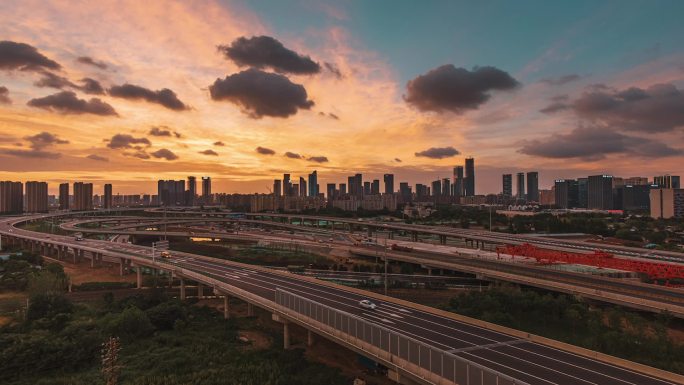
{"x":566,"y":191}
{"x":302,"y":187}
{"x":446,"y":187}
{"x":436,"y":188}
{"x":192,"y":191}
{"x":459,"y":184}
{"x":313,"y":184}
{"x":64,"y":196}
{"x":330,"y":191}
{"x":36,"y":197}
{"x":171,"y":192}
{"x":277,"y":187}
{"x":11,"y":197}
{"x":343,"y":189}
{"x":600,"y":192}
{"x":667,"y":202}
{"x":389,"y":183}
{"x":366,"y":188}
{"x":582,"y":193}
{"x":636,"y":181}
{"x":83,"y":196}
{"x":375,"y":187}
{"x":469,"y":182}
{"x":206,"y":190}
{"x":533,"y":186}
{"x":520,"y":178}
{"x":355,"y":185}
{"x":635,"y":198}
{"x":667,"y":181}
{"x":287,"y":185}
{"x":405,"y":191}
{"x":507,"y":181}
{"x":421,"y":190}
{"x":107,"y":196}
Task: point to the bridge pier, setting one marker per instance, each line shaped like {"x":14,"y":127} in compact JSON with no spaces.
{"x":182,"y":289}
{"x":414,"y":236}
{"x":309,"y":338}
{"x":390,"y":235}
{"x":226,"y":299}
{"x":200,"y":291}
{"x":250,"y":310}
{"x":442,"y":239}
{"x":138,"y":272}
{"x":286,"y":334}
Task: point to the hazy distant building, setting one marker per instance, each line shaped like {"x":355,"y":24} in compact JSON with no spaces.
{"x":600,"y":192}
{"x":287,"y":185}
{"x":313,"y":184}
{"x":206,"y":190}
{"x":375,"y":187}
{"x":446,"y":186}
{"x":11,"y":197}
{"x":667,"y":203}
{"x":107,"y":203}
{"x":635,"y":198}
{"x":667,"y":181}
{"x":330,"y":191}
{"x":436,"y":188}
{"x":83,"y":196}
{"x":566,"y":193}
{"x":277,"y":187}
{"x":36,"y":197}
{"x":388,"y":179}
{"x":422,"y":191}
{"x":64,"y":196}
{"x":507,"y":184}
{"x":533,"y":186}
{"x":458,"y":181}
{"x":171,"y":192}
{"x":636,"y":181}
{"x":582,"y":193}
{"x":405,"y":192}
{"x":192,"y":191}
{"x":343,"y":189}
{"x":302,"y":187}
{"x":547,"y":197}
{"x":355,"y":185}
{"x":520,"y":179}
{"x":469,"y":181}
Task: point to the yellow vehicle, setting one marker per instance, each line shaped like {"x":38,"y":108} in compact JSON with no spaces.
{"x":165,"y":254}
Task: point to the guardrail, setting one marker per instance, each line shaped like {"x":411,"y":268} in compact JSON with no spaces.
{"x":414,"y":356}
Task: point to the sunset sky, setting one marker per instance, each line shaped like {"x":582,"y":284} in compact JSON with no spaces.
{"x":128,"y":92}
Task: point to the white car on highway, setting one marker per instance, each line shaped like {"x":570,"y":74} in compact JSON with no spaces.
{"x":366,"y":304}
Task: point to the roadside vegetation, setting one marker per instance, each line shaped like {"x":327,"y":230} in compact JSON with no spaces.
{"x":254,"y":255}
{"x":611,"y":330}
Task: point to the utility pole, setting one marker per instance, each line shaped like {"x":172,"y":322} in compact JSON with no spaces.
{"x":386,"y":266}
{"x":490,"y":218}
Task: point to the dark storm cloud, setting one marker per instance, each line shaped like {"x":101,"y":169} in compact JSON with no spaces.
{"x":261,"y":93}
{"x":164,"y":97}
{"x":44,"y":139}
{"x":126,"y":141}
{"x":267,"y":52}
{"x":219,"y":144}
{"x":66,"y":102}
{"x":293,"y":155}
{"x":4,"y":96}
{"x":559,"y":81}
{"x":448,"y":88}
{"x":438,"y":152}
{"x":97,"y":158}
{"x":24,"y":57}
{"x":209,"y":152}
{"x":164,"y":154}
{"x":91,"y":86}
{"x":53,"y":81}
{"x":90,"y":61}
{"x":594,"y":143}
{"x":318,"y":159}
{"x":265,"y":151}
{"x":659,"y":108}
{"x":32,"y":154}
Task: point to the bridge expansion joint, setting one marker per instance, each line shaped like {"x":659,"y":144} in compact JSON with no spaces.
{"x":488,"y":346}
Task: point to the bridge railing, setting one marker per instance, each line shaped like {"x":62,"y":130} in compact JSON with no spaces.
{"x":414,"y":356}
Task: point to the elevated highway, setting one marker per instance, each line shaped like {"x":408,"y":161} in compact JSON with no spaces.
{"x":416,"y":343}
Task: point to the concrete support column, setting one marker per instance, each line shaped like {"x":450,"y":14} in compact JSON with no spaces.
{"x":226,"y":315}
{"x":182,"y":289}
{"x":442,"y":239}
{"x":122,"y":266}
{"x":138,"y":272}
{"x":309,"y":338}
{"x":93,"y":258}
{"x":250,"y":310}
{"x":370,"y":232}
{"x":391,"y":234}
{"x":286,"y":335}
{"x":200,"y":290}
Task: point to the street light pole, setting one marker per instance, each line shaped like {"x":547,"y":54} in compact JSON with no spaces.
{"x":386,"y":266}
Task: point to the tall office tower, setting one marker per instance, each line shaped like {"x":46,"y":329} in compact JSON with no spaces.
{"x":330,"y":191}
{"x":295,"y":190}
{"x":64,"y":196}
{"x":507,"y":180}
{"x":566,"y":191}
{"x":582,"y":192}
{"x":446,"y":186}
{"x":171,"y":192}
{"x":636,"y":181}
{"x":459,"y":183}
{"x":436,"y":188}
{"x":667,"y":202}
{"x":313,"y":184}
{"x":36,"y":197}
{"x":533,"y":186}
{"x":83,"y":196}
{"x":287,"y":185}
{"x":469,"y":182}
{"x":302,"y":187}
{"x":405,"y":191}
{"x":206,"y":190}
{"x":421,"y":190}
{"x":11,"y":197}
{"x":375,"y":187}
{"x":366,"y":188}
{"x":520,"y":177}
{"x":277,"y":187}
{"x":600,"y":192}
{"x":666,"y":181}
{"x":635,"y":198}
{"x":355,"y":185}
{"x":192,"y":191}
{"x":343,"y":189}
{"x":107,"y":196}
{"x":389,"y":183}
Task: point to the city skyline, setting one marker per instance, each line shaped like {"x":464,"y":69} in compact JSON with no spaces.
{"x":126,"y":106}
